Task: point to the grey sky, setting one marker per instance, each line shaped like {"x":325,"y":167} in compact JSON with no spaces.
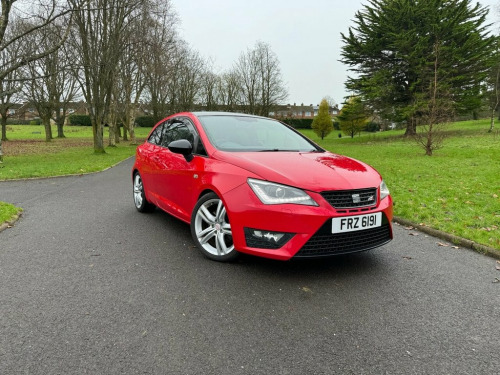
{"x":304,"y":34}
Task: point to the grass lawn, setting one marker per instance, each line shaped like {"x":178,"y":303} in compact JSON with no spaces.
{"x":457,"y":190}
{"x":27,"y":155}
{"x":7,"y":211}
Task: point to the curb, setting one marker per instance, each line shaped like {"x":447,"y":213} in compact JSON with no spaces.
{"x":10,"y":223}
{"x":482,"y":249}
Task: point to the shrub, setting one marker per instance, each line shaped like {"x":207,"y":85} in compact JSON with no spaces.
{"x":145,"y":121}
{"x":82,"y":120}
{"x":372,"y":127}
{"x":13,"y":121}
{"x":298,"y":123}
{"x":35,"y":122}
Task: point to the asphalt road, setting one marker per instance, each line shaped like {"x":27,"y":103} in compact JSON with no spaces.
{"x":90,"y":286}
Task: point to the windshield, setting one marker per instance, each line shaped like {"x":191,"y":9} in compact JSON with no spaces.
{"x":245,"y":133}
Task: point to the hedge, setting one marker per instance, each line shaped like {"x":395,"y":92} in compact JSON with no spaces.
{"x":82,"y":120}
{"x":299,"y":123}
{"x":145,"y":121}
{"x":12,"y":121}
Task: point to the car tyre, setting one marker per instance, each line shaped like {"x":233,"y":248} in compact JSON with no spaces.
{"x":211,"y":230}
{"x":140,"y":201}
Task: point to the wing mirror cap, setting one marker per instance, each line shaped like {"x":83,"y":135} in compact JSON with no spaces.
{"x":183,"y":147}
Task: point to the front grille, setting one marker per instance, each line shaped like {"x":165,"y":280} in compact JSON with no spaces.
{"x":351,"y":198}
{"x":324,"y":244}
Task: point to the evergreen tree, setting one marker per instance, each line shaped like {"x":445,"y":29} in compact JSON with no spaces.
{"x":322,"y":124}
{"x":353,"y":117}
{"x":390,"y":50}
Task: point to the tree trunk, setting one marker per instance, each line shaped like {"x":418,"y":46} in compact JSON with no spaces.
{"x":1,"y":152}
{"x":112,"y":132}
{"x":4,"y":128}
{"x":97,"y":130}
{"x":60,"y":127}
{"x":411,"y":127}
{"x":48,"y":129}
{"x":492,"y":122}
{"x":131,"y":121}
{"x":60,"y":131}
{"x":117,"y":133}
{"x":125,"y":137}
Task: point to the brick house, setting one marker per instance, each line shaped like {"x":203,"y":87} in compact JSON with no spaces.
{"x":300,"y":111}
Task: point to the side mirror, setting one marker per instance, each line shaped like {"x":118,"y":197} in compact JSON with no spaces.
{"x":183,"y":147}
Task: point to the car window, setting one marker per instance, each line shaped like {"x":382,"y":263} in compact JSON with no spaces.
{"x":175,"y":130}
{"x":181,"y":128}
{"x":246,"y":133}
{"x":198,"y":147}
{"x":155,"y":137}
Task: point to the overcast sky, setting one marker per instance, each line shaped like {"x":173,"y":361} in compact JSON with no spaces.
{"x":305,"y":35}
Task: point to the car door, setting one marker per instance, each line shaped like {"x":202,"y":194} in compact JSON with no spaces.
{"x":150,"y":162}
{"x":179,"y":179}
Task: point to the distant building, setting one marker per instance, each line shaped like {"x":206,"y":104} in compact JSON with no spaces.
{"x":300,"y":111}
{"x":27,"y":111}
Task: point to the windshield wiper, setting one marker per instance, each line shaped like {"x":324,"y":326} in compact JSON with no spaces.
{"x":278,"y":150}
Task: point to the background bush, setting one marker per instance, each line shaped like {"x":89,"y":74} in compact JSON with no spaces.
{"x":372,"y":127}
{"x":299,"y":123}
{"x":13,"y":121}
{"x":145,"y":121}
{"x":82,"y":120}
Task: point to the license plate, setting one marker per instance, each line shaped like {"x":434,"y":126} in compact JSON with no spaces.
{"x":353,"y":223}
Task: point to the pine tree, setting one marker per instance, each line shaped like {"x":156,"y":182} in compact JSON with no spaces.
{"x":390,"y":50}
{"x":322,"y":124}
{"x":352,"y":117}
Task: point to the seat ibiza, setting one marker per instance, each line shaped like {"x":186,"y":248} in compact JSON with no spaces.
{"x":249,"y":184}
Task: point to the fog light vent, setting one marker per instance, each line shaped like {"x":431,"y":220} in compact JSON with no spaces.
{"x":265,"y":239}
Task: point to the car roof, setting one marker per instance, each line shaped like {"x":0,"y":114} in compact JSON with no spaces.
{"x":208,"y":113}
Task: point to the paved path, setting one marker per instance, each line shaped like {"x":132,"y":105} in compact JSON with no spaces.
{"x":90,"y":286}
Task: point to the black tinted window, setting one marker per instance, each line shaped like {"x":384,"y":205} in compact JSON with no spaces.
{"x":155,"y":137}
{"x":174,"y":131}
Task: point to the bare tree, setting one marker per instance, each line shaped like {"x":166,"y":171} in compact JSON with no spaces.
{"x":38,"y":14}
{"x":435,"y":108}
{"x":9,"y":85}
{"x":66,"y":89}
{"x":186,"y":82}
{"x":52,"y":86}
{"x":273,"y":90}
{"x":141,"y":45}
{"x":100,"y":30}
{"x":493,"y":83}
{"x":210,"y":91}
{"x":260,"y":79}
{"x":229,"y":91}
{"x":247,"y":68}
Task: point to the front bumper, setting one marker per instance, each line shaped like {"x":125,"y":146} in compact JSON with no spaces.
{"x":310,"y":226}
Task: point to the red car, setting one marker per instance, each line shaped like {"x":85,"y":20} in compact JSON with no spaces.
{"x":249,"y":184}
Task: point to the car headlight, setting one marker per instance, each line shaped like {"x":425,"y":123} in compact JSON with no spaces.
{"x":384,"y":190}
{"x":272,"y":193}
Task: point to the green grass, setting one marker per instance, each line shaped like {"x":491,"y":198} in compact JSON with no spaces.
{"x":456,"y":190}
{"x":27,"y":155}
{"x":8,"y":211}
{"x":36,"y":132}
